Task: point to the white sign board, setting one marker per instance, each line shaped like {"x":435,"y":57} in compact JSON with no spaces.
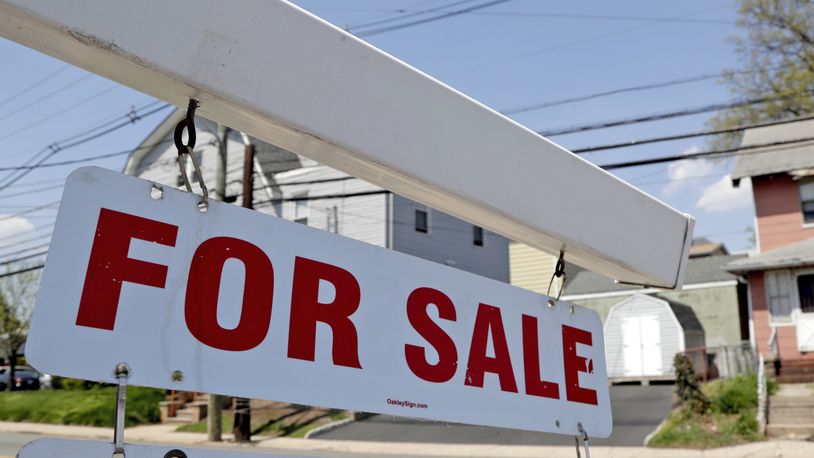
{"x":236,"y":302}
{"x":342,"y":102}
{"x":61,"y":448}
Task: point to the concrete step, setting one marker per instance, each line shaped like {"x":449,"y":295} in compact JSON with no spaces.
{"x":178,"y":420}
{"x":797,"y":430}
{"x":791,"y":420}
{"x":783,"y":401}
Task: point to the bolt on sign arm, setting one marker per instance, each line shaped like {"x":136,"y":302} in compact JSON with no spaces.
{"x":283,"y":75}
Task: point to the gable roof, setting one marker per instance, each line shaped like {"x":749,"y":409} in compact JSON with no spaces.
{"x":781,"y":158}
{"x":795,"y":255}
{"x":270,"y":158}
{"x":684,"y":314}
{"x":707,"y":269}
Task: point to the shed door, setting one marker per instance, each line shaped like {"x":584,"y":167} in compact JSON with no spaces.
{"x":641,"y":341}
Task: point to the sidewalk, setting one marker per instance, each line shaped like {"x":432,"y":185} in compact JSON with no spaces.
{"x":165,"y":434}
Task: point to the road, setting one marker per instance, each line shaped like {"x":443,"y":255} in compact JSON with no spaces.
{"x":637,"y":411}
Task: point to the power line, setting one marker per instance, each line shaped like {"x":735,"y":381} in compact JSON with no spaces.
{"x":666,"y":115}
{"x":323,"y":197}
{"x":46,"y":96}
{"x":78,"y":160}
{"x":34,"y":85}
{"x":30,"y":210}
{"x":704,"y":154}
{"x":642,"y":87}
{"x":23,"y":250}
{"x":405,"y":14}
{"x":33,"y":191}
{"x":702,"y":133}
{"x":603,"y":17}
{"x":579,"y":42}
{"x":60,"y":112}
{"x":430,"y":19}
{"x":22,"y":271}
{"x":56,"y":148}
{"x":32,"y":231}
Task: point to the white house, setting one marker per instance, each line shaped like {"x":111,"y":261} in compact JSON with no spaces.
{"x":295,"y":188}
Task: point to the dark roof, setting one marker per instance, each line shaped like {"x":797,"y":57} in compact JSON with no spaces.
{"x":795,"y":255}
{"x":699,"y":270}
{"x":684,"y":314}
{"x":783,"y":158}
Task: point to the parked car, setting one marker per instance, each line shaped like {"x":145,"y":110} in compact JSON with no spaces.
{"x":25,"y":378}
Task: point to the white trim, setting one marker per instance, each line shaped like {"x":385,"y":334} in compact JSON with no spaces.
{"x":627,"y":292}
{"x":752,"y":341}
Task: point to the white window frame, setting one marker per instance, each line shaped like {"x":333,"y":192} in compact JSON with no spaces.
{"x":798,"y":307}
{"x":298,"y":204}
{"x":808,"y":180}
{"x":794,"y":305}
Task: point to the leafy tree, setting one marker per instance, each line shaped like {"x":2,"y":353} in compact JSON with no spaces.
{"x":776,"y":51}
{"x":16,"y":303}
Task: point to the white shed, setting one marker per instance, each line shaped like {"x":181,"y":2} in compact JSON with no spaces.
{"x":643,"y":334}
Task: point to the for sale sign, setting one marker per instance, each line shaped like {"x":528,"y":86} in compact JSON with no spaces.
{"x":236,"y":302}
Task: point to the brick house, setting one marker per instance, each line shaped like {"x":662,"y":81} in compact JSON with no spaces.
{"x":780,"y":274}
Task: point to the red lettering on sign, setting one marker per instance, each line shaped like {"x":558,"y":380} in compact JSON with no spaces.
{"x":417,"y":305}
{"x":109,"y":265}
{"x":531,"y":362}
{"x":306,"y":311}
{"x":201,"y":308}
{"x":488,"y":321}
{"x":574,"y":364}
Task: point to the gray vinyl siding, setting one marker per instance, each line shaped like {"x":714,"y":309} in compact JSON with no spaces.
{"x":449,"y":241}
{"x":670,"y":333}
{"x":359,"y":217}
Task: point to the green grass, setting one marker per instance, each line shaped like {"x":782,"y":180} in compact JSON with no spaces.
{"x":730,"y":419}
{"x":94,"y":407}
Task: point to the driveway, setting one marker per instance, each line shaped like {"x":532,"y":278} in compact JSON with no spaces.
{"x":637,"y":411}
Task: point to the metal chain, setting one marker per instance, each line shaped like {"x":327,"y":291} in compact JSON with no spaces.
{"x":584,"y":441}
{"x":188,"y":123}
{"x":559,"y":271}
{"x":122,"y":372}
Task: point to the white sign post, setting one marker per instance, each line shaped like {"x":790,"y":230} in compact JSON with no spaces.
{"x":340,"y":101}
{"x":235,"y":302}
{"x":59,"y":448}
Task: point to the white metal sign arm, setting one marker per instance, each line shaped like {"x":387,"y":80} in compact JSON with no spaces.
{"x":272,"y":70}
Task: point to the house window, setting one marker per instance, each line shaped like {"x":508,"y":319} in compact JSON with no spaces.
{"x":421,"y":221}
{"x":805,"y":287}
{"x":301,"y":208}
{"x":477,"y":235}
{"x":807,"y":199}
{"x":779,"y":295}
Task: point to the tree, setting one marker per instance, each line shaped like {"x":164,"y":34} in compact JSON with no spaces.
{"x":16,"y":303}
{"x":776,"y":51}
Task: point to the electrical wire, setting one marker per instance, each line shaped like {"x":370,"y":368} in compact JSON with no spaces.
{"x":34,"y":85}
{"x":666,"y":115}
{"x":740,"y":150}
{"x":702,"y":133}
{"x":430,"y":19}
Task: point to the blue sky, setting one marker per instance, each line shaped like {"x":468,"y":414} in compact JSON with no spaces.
{"x":512,"y":54}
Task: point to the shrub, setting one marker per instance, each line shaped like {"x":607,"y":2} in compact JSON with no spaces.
{"x":688,"y":387}
{"x":735,"y":395}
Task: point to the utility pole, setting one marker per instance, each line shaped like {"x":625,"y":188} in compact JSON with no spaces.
{"x":214,"y":416}
{"x":243,"y":410}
